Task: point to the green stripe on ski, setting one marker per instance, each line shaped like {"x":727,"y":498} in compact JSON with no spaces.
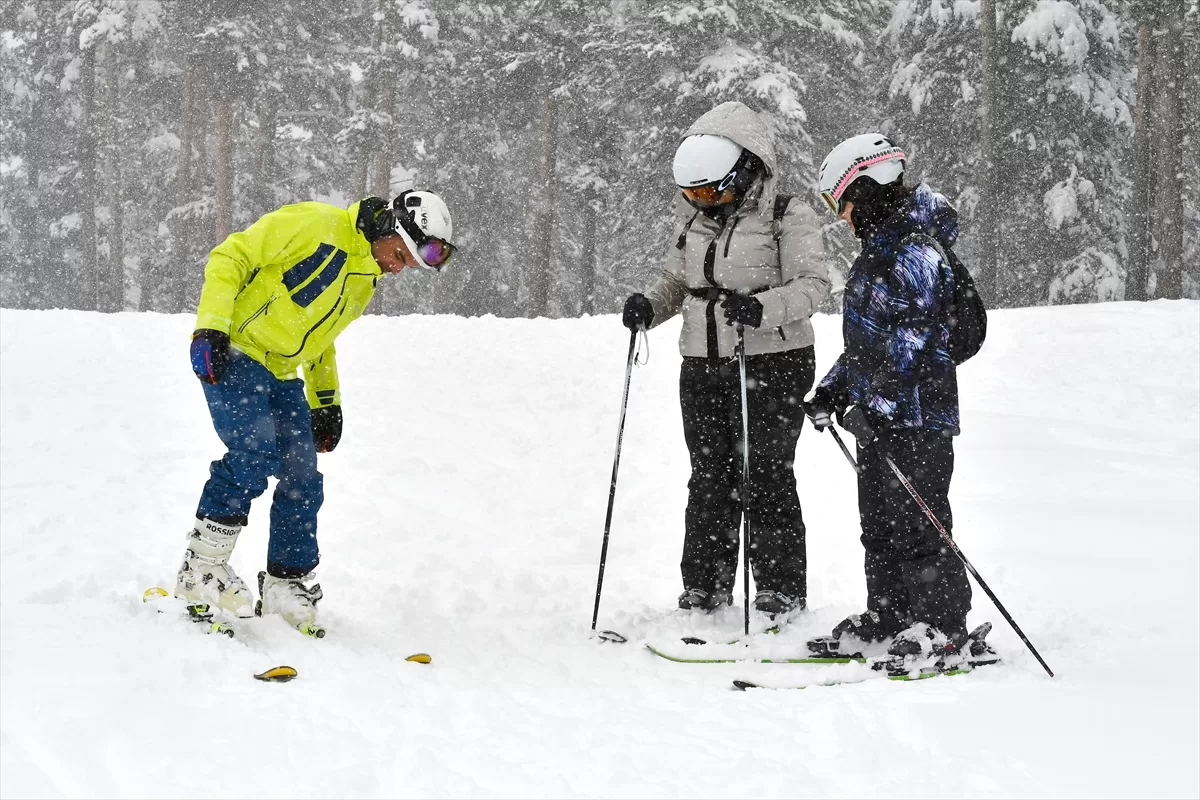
{"x":806,"y":660}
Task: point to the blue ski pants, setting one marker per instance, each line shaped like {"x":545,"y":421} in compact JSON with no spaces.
{"x":267,"y":426}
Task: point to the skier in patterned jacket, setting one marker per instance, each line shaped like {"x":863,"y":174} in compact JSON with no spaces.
{"x":275,"y":297}
{"x":737,"y":256}
{"x":895,"y":389}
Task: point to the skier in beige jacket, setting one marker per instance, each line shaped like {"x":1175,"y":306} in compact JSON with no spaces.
{"x":739,"y":254}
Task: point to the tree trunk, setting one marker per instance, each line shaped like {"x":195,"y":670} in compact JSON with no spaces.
{"x":264,"y":161}
{"x":381,"y":182}
{"x":1168,"y":189}
{"x":538,"y":272}
{"x":89,"y":266}
{"x":114,"y":296}
{"x":223,"y":169}
{"x":989,"y":219}
{"x":1139,"y":214}
{"x":587,"y":256}
{"x":156,"y":284}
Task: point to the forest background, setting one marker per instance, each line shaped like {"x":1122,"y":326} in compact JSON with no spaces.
{"x":136,"y":135}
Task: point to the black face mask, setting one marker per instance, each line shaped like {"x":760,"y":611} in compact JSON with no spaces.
{"x":873,"y":204}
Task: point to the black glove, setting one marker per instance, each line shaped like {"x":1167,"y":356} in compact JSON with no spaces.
{"x":210,"y":354}
{"x":854,"y":419}
{"x":326,"y":427}
{"x":820,"y":408}
{"x":743,"y":308}
{"x":638,"y":313}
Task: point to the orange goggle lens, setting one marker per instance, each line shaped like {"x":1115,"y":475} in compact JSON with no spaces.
{"x":708,"y":195}
{"x":829,"y":201}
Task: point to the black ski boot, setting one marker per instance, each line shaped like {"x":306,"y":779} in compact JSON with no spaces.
{"x":700,"y":600}
{"x":777,"y":604}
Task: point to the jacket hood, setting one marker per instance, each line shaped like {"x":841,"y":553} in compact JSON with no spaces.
{"x":931,"y":213}
{"x":923,"y":211}
{"x":736,"y":121}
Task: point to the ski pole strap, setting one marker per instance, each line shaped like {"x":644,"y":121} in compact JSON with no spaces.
{"x":643,"y":340}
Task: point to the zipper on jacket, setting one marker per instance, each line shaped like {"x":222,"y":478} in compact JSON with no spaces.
{"x":710,"y":313}
{"x":782,"y":335}
{"x":256,"y":315}
{"x":729,"y":238}
{"x":328,"y":313}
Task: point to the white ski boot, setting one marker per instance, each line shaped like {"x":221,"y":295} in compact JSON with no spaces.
{"x":205,"y":576}
{"x":291,"y":599}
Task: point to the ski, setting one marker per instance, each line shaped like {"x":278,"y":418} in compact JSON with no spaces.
{"x":778,"y":623}
{"x":896,"y":673}
{"x":774,"y":629}
{"x":753,"y":659}
{"x":199,"y":613}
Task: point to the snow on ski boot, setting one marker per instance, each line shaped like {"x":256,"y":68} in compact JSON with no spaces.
{"x":205,"y":577}
{"x":293,"y":600}
{"x":776,"y":604}
{"x":701,"y":600}
{"x":923,"y":641}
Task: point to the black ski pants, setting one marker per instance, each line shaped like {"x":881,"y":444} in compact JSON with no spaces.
{"x":912,"y":576}
{"x":710,"y":398}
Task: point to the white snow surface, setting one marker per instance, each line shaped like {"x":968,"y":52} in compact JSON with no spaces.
{"x":463,"y":517}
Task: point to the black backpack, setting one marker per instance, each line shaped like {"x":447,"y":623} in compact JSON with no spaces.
{"x":968,"y":316}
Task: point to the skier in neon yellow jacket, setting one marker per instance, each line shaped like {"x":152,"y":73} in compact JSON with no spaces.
{"x":275,"y":297}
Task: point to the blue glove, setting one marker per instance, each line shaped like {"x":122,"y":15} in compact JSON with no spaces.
{"x":743,"y":308}
{"x":210,"y":354}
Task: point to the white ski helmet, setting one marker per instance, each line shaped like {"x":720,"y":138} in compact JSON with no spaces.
{"x":870,"y":154}
{"x":704,"y":158}
{"x":423,"y":222}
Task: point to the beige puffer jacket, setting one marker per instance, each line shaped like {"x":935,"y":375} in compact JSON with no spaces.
{"x":788,"y":277}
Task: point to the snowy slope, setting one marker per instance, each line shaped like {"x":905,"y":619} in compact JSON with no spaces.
{"x":464,"y":514}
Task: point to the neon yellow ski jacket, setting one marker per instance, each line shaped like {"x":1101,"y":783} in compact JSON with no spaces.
{"x":285,"y":287}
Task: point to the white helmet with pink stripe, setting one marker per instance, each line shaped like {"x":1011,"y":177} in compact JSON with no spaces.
{"x":870,"y":154}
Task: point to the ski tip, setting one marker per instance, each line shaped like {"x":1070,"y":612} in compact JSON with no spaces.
{"x":693,"y":640}
{"x":611,"y":636}
{"x":419,"y":658}
{"x":742,"y":686}
{"x":154,"y":593}
{"x":281,"y":674}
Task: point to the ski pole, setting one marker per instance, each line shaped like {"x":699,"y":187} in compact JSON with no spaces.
{"x":961,"y":557}
{"x":741,"y":354}
{"x":845,"y":450}
{"x":612,"y":488}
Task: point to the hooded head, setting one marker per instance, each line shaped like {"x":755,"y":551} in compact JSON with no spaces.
{"x":731,"y":140}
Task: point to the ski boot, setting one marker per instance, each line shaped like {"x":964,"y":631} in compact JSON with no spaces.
{"x":923,"y":641}
{"x":925,"y":648}
{"x":205,"y":577}
{"x":701,"y":600}
{"x":777,"y":604}
{"x":293,"y":600}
